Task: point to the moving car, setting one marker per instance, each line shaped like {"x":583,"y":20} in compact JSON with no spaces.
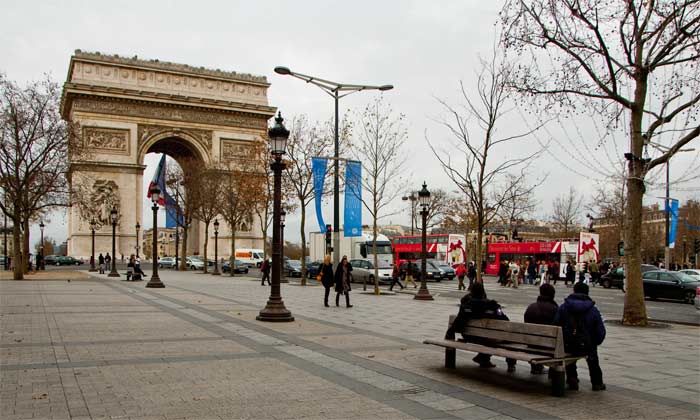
{"x":363,"y":271}
{"x":312,"y":269}
{"x":292,"y":268}
{"x":447,"y":271}
{"x":51,"y":259}
{"x":66,"y":260}
{"x":616,"y":276}
{"x":692,"y":273}
{"x":238,"y":267}
{"x":167,"y":262}
{"x":194,"y":263}
{"x":432,"y":272}
{"x":670,"y":285}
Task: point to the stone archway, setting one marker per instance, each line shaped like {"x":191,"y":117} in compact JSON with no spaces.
{"x":126,"y":108}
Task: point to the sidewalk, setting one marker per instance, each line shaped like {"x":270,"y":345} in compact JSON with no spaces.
{"x":102,"y":348}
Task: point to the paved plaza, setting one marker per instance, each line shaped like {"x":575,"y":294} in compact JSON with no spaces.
{"x":81,"y":347}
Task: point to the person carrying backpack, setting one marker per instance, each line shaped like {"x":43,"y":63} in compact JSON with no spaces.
{"x":584,"y":331}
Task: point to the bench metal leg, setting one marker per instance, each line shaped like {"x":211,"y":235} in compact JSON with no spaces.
{"x":450,"y":358}
{"x":558,"y":381}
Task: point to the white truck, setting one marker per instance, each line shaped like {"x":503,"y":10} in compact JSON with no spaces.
{"x":355,"y":247}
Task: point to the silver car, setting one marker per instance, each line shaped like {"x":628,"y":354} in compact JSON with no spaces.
{"x":363,"y":272}
{"x":694,"y":273}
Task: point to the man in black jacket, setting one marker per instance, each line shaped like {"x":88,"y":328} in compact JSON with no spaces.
{"x":542,"y":312}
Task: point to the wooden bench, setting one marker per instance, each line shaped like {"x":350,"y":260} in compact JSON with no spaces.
{"x":131,"y":276}
{"x":532,"y":343}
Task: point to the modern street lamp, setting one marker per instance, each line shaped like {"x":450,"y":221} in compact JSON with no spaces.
{"x":283,"y":216}
{"x":424,"y":200}
{"x":216,"y":249}
{"x":413,"y":197}
{"x":138,"y":227}
{"x":337,"y":91}
{"x":275,"y":311}
{"x":41,"y":250}
{"x":93,"y":225}
{"x":114,"y":215}
{"x":155,"y":279}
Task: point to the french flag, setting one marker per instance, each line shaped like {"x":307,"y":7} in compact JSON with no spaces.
{"x":159,"y":180}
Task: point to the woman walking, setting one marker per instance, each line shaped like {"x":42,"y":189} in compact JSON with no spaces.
{"x":471,"y":274}
{"x":543,"y":273}
{"x":395,"y":277}
{"x":461,"y":272}
{"x":327,"y":279}
{"x":343,"y":278}
{"x":409,"y":274}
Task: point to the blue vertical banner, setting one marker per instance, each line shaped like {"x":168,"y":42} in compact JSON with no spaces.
{"x":674,"y":222}
{"x":353,"y":199}
{"x":172,"y":216}
{"x":318,"y":171}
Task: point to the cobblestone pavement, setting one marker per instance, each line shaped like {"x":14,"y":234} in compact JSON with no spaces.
{"x":101,"y":348}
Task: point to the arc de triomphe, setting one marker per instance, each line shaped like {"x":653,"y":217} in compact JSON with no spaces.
{"x":128,"y":107}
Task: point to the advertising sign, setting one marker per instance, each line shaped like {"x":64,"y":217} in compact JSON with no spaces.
{"x":588,"y":247}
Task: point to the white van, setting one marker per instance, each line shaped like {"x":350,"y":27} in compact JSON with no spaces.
{"x":250,"y":257}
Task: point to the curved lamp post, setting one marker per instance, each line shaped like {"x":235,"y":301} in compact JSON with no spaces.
{"x":113,"y":216}
{"x":337,"y":91}
{"x":275,"y":311}
{"x":155,"y":279}
{"x":41,"y":252}
{"x":424,"y":200}
{"x":93,"y":225}
{"x":413,"y":198}
{"x":216,"y":249}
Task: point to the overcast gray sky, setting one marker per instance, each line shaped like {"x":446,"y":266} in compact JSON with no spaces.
{"x":423,"y":48}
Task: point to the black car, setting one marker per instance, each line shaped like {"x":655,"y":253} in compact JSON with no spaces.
{"x":432,"y":272}
{"x":292,"y":268}
{"x":670,"y":285}
{"x":616,"y":276}
{"x":313,"y":268}
{"x":51,"y":259}
{"x":238,"y":267}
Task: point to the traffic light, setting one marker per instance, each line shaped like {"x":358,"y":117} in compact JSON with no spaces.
{"x":621,"y":248}
{"x":696,"y":245}
{"x":329,"y":232}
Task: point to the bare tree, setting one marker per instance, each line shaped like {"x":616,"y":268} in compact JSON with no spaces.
{"x":566,"y":212}
{"x":305,"y":142}
{"x":34,"y":156}
{"x":469,"y":162}
{"x":440,"y":207}
{"x":633,"y":61}
{"x":518,"y":200}
{"x":208,"y":187}
{"x":378,"y":146}
{"x":183,"y":181}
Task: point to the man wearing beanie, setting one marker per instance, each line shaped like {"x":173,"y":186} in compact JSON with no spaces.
{"x":584,"y":331}
{"x":542,"y":311}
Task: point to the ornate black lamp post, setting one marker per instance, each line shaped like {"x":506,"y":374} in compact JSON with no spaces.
{"x":114,"y":215}
{"x":424,"y":200}
{"x":138,"y":227}
{"x":274,"y":310}
{"x":155,"y":280}
{"x":93,"y":225}
{"x":41,"y":250}
{"x":216,"y":249}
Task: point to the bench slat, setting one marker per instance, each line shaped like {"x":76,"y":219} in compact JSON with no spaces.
{"x":494,"y":351}
{"x":514,"y":337}
{"x":510,"y":326}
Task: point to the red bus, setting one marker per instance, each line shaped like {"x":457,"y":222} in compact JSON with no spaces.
{"x":557,"y":251}
{"x":447,"y":247}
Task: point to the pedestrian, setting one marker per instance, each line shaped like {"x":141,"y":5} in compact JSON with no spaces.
{"x":471,"y":274}
{"x":327,"y":280}
{"x":475,"y":305}
{"x":583,"y":268}
{"x":542,"y":312}
{"x":137,"y":266}
{"x":461,"y":272}
{"x":521,"y":273}
{"x":101,"y":262}
{"x":531,"y":272}
{"x":502,"y":273}
{"x":265,"y":270}
{"x":108,"y":261}
{"x":395,"y":277}
{"x":543,"y":272}
{"x":409,"y":274}
{"x":593,"y":269}
{"x":584,"y":331}
{"x":512,"y":275}
{"x":343,"y":278}
{"x":570,"y":273}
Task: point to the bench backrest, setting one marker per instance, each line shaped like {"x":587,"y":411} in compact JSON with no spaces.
{"x":547,"y":339}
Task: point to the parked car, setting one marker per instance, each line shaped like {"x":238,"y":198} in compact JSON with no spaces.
{"x":697,"y":298}
{"x":432,"y":273}
{"x":66,"y":260}
{"x":167,"y":262}
{"x":194,"y":263}
{"x":238,"y":267}
{"x":447,"y":271}
{"x":363,"y":272}
{"x":292,"y":268}
{"x":616,"y":276}
{"x":692,"y":273}
{"x":670,"y":285}
{"x":51,"y":259}
{"x":312,"y":269}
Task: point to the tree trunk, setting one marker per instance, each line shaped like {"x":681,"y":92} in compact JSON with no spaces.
{"x":25,"y":245}
{"x":16,"y":251}
{"x":183,"y":260}
{"x":206,"y":241}
{"x":303,"y":246}
{"x":376,"y":259}
{"x":479,"y":256}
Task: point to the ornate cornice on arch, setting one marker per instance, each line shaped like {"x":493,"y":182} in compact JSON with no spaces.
{"x":199,"y":142}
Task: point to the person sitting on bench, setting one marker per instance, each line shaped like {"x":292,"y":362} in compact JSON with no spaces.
{"x":543,"y":312}
{"x":475,"y":305}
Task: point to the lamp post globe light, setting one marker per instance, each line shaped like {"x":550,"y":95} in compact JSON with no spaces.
{"x":337,"y":91}
{"x":413,"y":198}
{"x":93,"y":225}
{"x":41,"y":249}
{"x":113,"y":216}
{"x":155,"y":279}
{"x":216,"y":249}
{"x":275,"y":311}
{"x":424,"y":201}
{"x":138,"y":227}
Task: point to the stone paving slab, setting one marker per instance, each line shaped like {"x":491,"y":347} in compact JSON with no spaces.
{"x":195,"y":351}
